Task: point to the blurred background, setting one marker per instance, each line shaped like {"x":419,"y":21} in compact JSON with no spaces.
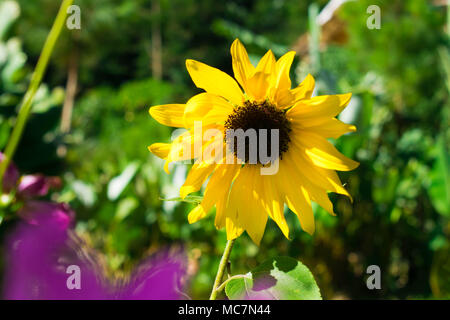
{"x":90,"y":127}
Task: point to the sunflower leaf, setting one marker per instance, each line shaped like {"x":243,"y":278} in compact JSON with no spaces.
{"x":238,"y":289}
{"x":280,"y":278}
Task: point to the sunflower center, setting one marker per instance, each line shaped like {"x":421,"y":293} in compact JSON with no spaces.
{"x":268,"y":123}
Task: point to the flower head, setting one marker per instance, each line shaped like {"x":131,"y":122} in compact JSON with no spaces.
{"x":261,"y":101}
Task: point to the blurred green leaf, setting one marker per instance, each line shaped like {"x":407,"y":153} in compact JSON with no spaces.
{"x":15,"y":62}
{"x":44,"y":99}
{"x":125,"y":207}
{"x":233,"y":30}
{"x":9,"y":11}
{"x":85,"y":192}
{"x":445,"y":60}
{"x":439,"y":188}
{"x":119,"y":183}
{"x":440,"y":273}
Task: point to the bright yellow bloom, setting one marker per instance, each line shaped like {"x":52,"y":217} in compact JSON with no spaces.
{"x":243,"y":197}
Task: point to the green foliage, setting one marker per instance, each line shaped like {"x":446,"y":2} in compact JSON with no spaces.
{"x":399,"y":76}
{"x":281,"y":278}
{"x":440,"y":179}
{"x":189,"y":199}
{"x":15,"y":75}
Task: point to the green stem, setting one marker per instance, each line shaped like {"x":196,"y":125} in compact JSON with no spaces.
{"x":239,"y":276}
{"x":314,"y":37}
{"x":25,"y":107}
{"x":448,"y":22}
{"x":222,"y":267}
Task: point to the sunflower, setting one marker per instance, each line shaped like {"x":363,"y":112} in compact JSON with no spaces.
{"x":261,"y":98}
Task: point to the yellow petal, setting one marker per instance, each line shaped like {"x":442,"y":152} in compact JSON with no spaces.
{"x":300,"y":204}
{"x":258,"y":84}
{"x":283,"y":67}
{"x":333,"y":178}
{"x":198,"y":107}
{"x":317,"y":110}
{"x":182,"y":147}
{"x":324,"y":154}
{"x":220,"y":185}
{"x":197,"y":214}
{"x":296,"y":197}
{"x":216,"y":116}
{"x":274,"y":204}
{"x":324,"y":178}
{"x":245,"y":210}
{"x":305,"y":88}
{"x":169,"y":114}
{"x":321,"y":198}
{"x":267,"y":64}
{"x":304,"y":91}
{"x":234,"y":230}
{"x":252,"y":210}
{"x":161,"y":150}
{"x":216,"y":192}
{"x":214,"y":81}
{"x":242,"y":67}
{"x":232,"y":207}
{"x":219,"y":221}
{"x":331,"y":128}
{"x":198,"y":174}
{"x":287,"y":98}
{"x":317,"y":192}
{"x":234,"y":215}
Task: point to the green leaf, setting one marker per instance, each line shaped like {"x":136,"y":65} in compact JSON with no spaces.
{"x":9,"y":12}
{"x":44,"y":99}
{"x":125,"y":207}
{"x":188,"y":199}
{"x":238,"y":289}
{"x":85,"y":192}
{"x":445,"y":60}
{"x":439,"y":188}
{"x":280,"y":278}
{"x":16,"y":61}
{"x":119,"y":183}
{"x":440,"y":273}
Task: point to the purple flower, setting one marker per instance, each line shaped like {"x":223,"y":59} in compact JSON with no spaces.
{"x":58,"y":215}
{"x":33,"y":186}
{"x":46,"y":260}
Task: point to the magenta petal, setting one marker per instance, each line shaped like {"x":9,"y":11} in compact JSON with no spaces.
{"x":158,"y":278}
{"x":11,"y":176}
{"x":38,"y":257}
{"x":41,"y":251}
{"x":31,"y":186}
{"x":41,"y":213}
